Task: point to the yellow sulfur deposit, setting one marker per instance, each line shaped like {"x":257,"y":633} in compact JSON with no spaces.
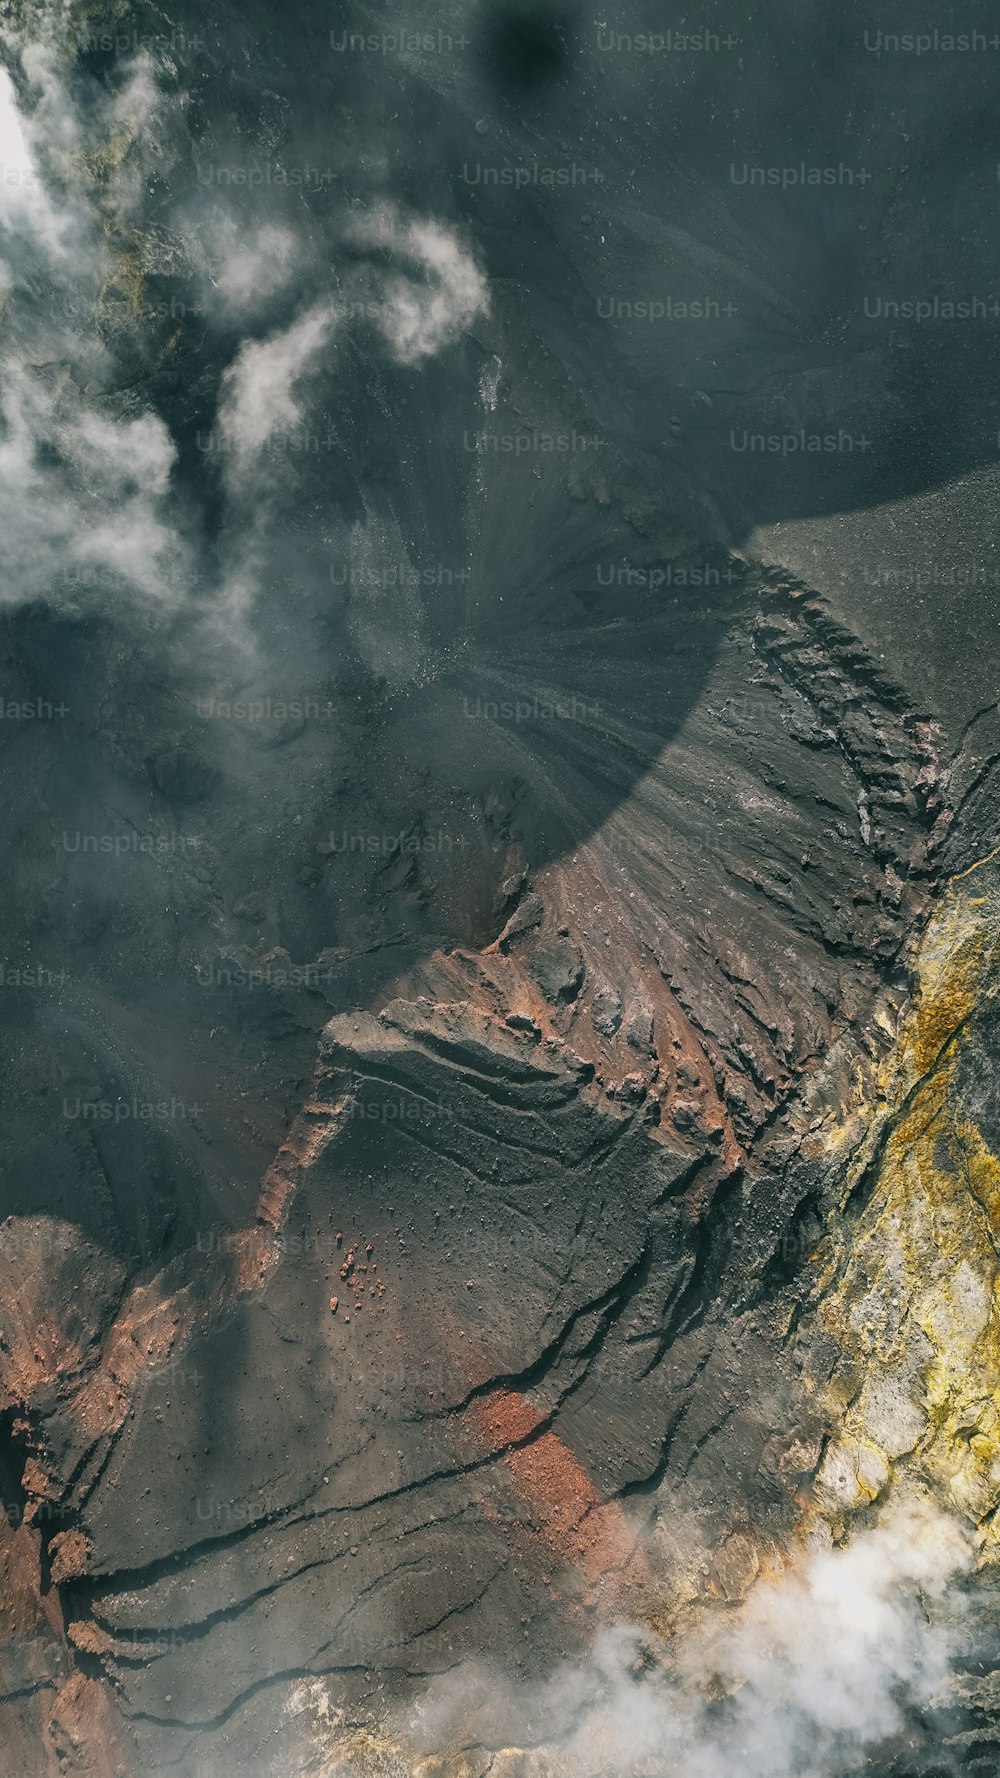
{"x":913,"y":1299}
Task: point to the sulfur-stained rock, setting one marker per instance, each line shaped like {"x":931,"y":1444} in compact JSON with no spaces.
{"x":736,"y":1565}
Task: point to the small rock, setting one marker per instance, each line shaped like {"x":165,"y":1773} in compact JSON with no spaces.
{"x":558,"y":970}
{"x":736,"y":1565}
{"x":607,"y":1012}
{"x":639,"y":1034}
{"x":525,"y":918}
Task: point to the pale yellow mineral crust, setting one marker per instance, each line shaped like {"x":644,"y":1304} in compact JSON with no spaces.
{"x":914,"y":1298}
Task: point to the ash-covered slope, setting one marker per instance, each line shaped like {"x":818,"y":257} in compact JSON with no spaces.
{"x":478,"y":938}
{"x":516,"y":1285}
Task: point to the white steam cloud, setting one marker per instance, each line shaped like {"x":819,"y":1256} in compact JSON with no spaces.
{"x":88,"y":496}
{"x":420,"y":310}
{"x":80,"y":494}
{"x":419,"y":315}
{"x":813,"y":1673}
{"x":260,"y":389}
{"x":251,"y":266}
{"x":83,"y":489}
{"x":25,"y":206}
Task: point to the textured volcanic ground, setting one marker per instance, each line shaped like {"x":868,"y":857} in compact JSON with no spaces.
{"x":500,"y":1199}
